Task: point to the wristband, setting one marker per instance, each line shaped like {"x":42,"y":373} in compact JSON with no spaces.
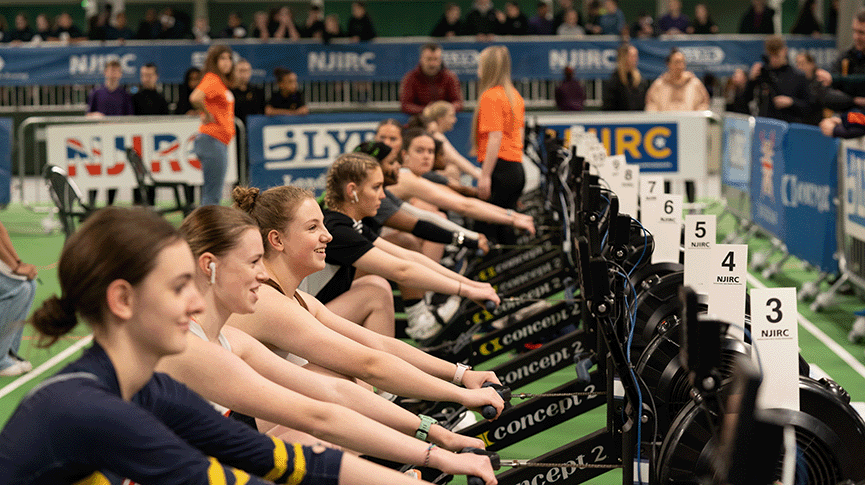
{"x":460,"y":372}
{"x":423,"y":430}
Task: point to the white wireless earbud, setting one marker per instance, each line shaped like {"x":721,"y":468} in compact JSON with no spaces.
{"x":212,"y":267}
{"x":354,"y":193}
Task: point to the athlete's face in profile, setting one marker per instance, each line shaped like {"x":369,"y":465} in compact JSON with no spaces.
{"x":164,"y":301}
{"x":391,"y":136}
{"x":420,"y":156}
{"x":239,"y":274}
{"x":370,"y":192}
{"x":305,"y":239}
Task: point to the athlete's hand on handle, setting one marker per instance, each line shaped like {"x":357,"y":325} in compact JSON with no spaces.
{"x":468,"y":464}
{"x":476,"y":399}
{"x":474,"y":379}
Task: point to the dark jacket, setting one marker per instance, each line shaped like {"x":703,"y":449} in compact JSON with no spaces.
{"x":619,"y":97}
{"x":787,"y":81}
{"x":750,"y":24}
{"x":361,"y":28}
{"x":418,"y":90}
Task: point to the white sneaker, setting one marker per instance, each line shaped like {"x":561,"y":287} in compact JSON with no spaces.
{"x":449,"y":308}
{"x":16,"y":369}
{"x":27,"y":365}
{"x":422,"y":323}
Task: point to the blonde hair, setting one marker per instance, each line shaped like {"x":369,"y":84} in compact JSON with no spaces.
{"x":272,"y":209}
{"x":622,"y":68}
{"x":495,"y":64}
{"x":437,"y":109}
{"x":348,"y":167}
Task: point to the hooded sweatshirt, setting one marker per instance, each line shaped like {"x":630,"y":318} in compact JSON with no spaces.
{"x":685,"y":94}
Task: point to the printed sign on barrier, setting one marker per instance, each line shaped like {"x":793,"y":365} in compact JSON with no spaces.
{"x":736,"y":153}
{"x":854,"y":189}
{"x":5,"y":160}
{"x":766,"y":173}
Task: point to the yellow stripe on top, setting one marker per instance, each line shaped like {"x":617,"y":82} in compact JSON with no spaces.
{"x":215,"y":473}
{"x":95,"y":478}
{"x":299,"y":466}
{"x":280,"y":460}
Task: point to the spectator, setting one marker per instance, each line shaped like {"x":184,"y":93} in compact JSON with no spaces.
{"x":234,"y":28}
{"x":832,"y":18}
{"x":201,"y":30}
{"x":674,"y":22}
{"x":332,"y":29}
{"x":110,"y":99}
{"x":170,"y":27}
{"x":759,"y":19}
{"x":710,"y":82}
{"x":644,"y":27}
{"x":66,"y":30}
{"x":677,"y":89}
{"x":702,"y":23}
{"x":734,"y":92}
{"x":248,"y":99}
{"x":18,"y":290}
{"x":313,"y":28}
{"x":848,"y":125}
{"x":149,"y":27}
{"x":120,"y":30}
{"x":149,"y":101}
{"x":260,"y":29}
{"x":288,"y":98}
{"x":450,"y":24}
{"x":570,"y":95}
{"x":806,"y":22}
{"x":97,"y":25}
{"x":817,"y":90}
{"x":626,"y":88}
{"x":22,"y":31}
{"x":571,"y":25}
{"x":540,"y":24}
{"x":513,"y":21}
{"x":4,"y":30}
{"x":612,"y":22}
{"x":847,"y":70}
{"x":482,"y":20}
{"x":43,"y":28}
{"x":360,"y":27}
{"x":429,"y":81}
{"x":781,"y":90}
{"x":559,"y":17}
{"x":190,"y":82}
{"x":593,"y":17}
{"x":281,"y":24}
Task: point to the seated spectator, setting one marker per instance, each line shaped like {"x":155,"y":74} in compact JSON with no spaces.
{"x":288,"y":99}
{"x":593,"y":16}
{"x":677,"y":89}
{"x":190,"y":81}
{"x":149,"y":101}
{"x":644,"y":27}
{"x":360,"y":27}
{"x":201,"y":30}
{"x":172,"y":25}
{"x":234,"y":28}
{"x":450,"y":24}
{"x":120,"y":28}
{"x":626,"y":88}
{"x":540,"y":24}
{"x":702,"y":23}
{"x":513,"y":21}
{"x":571,"y":25}
{"x":674,"y":22}
{"x":66,"y":30}
{"x":22,"y":31}
{"x":149,"y":27}
{"x":612,"y":22}
{"x":559,"y":17}
{"x":806,"y":22}
{"x":759,"y":19}
{"x":260,"y":29}
{"x":570,"y":95}
{"x":4,"y":30}
{"x":97,"y":25}
{"x":482,"y":20}
{"x":43,"y":28}
{"x":780,"y":89}
{"x":248,"y":99}
{"x":281,"y":24}
{"x":332,"y":29}
{"x":313,"y":28}
{"x":734,"y":93}
{"x":110,"y":99}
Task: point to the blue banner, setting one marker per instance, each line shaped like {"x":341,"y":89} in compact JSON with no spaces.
{"x":854,"y":184}
{"x":5,"y":160}
{"x":591,"y":59}
{"x":767,"y":169}
{"x":298,"y":150}
{"x":736,"y":154}
{"x":809,"y":184}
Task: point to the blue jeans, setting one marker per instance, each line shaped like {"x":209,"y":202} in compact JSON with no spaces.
{"x":213,"y":155}
{"x":16,"y":298}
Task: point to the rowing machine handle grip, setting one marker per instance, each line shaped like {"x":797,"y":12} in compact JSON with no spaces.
{"x":488,"y":411}
{"x":495,"y":461}
{"x":490,"y":305}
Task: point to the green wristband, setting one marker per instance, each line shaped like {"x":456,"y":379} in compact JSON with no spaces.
{"x":423,"y":430}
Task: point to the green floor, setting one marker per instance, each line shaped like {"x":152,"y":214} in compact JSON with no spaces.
{"x":34,"y":246}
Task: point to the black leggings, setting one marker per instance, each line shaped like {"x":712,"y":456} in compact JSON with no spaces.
{"x":508,"y":181}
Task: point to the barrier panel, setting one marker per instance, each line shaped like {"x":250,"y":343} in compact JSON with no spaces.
{"x":5,"y":160}
{"x":767,"y":168}
{"x":736,"y":164}
{"x":853,"y":187}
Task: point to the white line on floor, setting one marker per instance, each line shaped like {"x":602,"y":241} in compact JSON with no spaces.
{"x":45,"y":366}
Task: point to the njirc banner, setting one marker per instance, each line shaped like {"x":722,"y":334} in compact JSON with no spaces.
{"x":591,"y":58}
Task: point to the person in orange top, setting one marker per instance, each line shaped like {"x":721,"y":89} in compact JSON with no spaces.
{"x":497,"y":136}
{"x":213,"y":98}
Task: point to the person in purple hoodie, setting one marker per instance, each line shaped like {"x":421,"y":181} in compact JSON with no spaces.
{"x":110,"y":99}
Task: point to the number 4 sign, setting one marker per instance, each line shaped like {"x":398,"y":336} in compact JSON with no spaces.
{"x":728,"y":268}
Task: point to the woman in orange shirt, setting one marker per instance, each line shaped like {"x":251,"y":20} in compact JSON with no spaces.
{"x":213,"y":98}
{"x":497,"y":135}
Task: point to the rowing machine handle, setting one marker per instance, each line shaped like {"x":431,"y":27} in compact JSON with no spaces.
{"x":495,"y":461}
{"x":489,"y":411}
{"x":490,"y":305}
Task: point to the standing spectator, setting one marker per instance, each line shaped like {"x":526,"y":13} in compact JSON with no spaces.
{"x":216,"y":104}
{"x":677,"y":89}
{"x":248,"y":99}
{"x":332,"y":29}
{"x":540,"y":24}
{"x":759,"y":19}
{"x":450,"y":24}
{"x":806,"y":22}
{"x":313,"y":28}
{"x":513,"y":21}
{"x":702,"y":23}
{"x":43,"y":28}
{"x":360,"y":27}
{"x":571,"y":25}
{"x":259,"y":26}
{"x":817,"y":90}
{"x":626,"y":88}
{"x":734,"y":93}
{"x":110,"y":99}
{"x":482,"y":20}
{"x":570,"y":95}
{"x":120,"y":29}
{"x":149,"y":101}
{"x":149,"y":27}
{"x":559,"y":17}
{"x":674,"y":22}
{"x":612,"y":22}
{"x":288,"y":98}
{"x":66,"y":30}
{"x":429,"y":81}
{"x":190,"y":81}
{"x":201,"y":30}
{"x":850,"y":66}
{"x":22,"y":31}
{"x":780,"y":89}
{"x":234,"y":28}
{"x":644,"y":27}
{"x":17,"y":291}
{"x":497,"y":137}
{"x":281,"y":24}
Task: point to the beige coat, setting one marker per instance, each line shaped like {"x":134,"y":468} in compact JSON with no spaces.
{"x":685,"y":94}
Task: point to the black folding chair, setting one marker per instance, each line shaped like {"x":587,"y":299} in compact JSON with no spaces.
{"x":147,"y":187}
{"x":71,"y":208}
